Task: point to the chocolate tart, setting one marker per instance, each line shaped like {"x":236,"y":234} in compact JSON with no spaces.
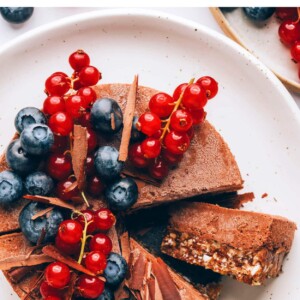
{"x":207,"y":168}
{"x":247,"y":246}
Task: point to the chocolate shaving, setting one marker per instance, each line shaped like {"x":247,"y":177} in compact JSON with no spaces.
{"x":49,"y":200}
{"x":41,"y":213}
{"x":115,"y":240}
{"x":71,"y":288}
{"x":137,"y":273}
{"x":79,"y":154}
{"x":125,"y":245}
{"x":17,"y":274}
{"x":112,"y":121}
{"x":128,"y":117}
{"x":41,"y":238}
{"x":35,"y":288}
{"x":142,"y":176}
{"x":53,"y":252}
{"x":24,"y":261}
{"x":165,"y":281}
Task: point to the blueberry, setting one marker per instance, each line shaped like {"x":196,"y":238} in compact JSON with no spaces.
{"x":32,"y":229}
{"x":227,"y":9}
{"x":11,"y":187}
{"x":28,"y":116}
{"x":37,"y":139}
{"x":38,"y":183}
{"x":136,"y":135}
{"x":101,"y":116}
{"x":259,"y":13}
{"x":107,"y":294}
{"x":107,"y":164}
{"x":115,"y":270}
{"x":121,"y":194}
{"x":19,"y":160}
{"x":16,"y":15}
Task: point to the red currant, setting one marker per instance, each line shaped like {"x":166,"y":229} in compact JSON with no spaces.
{"x":89,"y":95}
{"x":76,"y":84}
{"x":101,"y":242}
{"x":89,"y":76}
{"x":89,"y":287}
{"x":95,"y":261}
{"x":176,"y":142}
{"x":170,"y":158}
{"x":53,"y":298}
{"x":295,"y":51}
{"x":60,"y":123}
{"x":57,"y":275}
{"x":62,"y":189}
{"x":181,"y":120}
{"x":75,"y":105}
{"x":194,"y":97}
{"x":59,"y":166}
{"x":95,"y":186}
{"x":57,"y":84}
{"x":178,"y":91}
{"x":104,"y":219}
{"x":70,"y":231}
{"x":47,"y":290}
{"x":151,"y":147}
{"x":137,"y":157}
{"x":61,"y":143}
{"x":84,"y":119}
{"x":210,"y":86}
{"x":53,"y":104}
{"x":285,"y":13}
{"x":90,"y":166}
{"x":148,"y":123}
{"x":161,"y":104}
{"x":158,"y":169}
{"x":198,"y":115}
{"x":289,"y":32}
{"x":69,"y":249}
{"x":157,"y":134}
{"x":91,"y":139}
{"x":78,"y":60}
{"x":90,"y":218}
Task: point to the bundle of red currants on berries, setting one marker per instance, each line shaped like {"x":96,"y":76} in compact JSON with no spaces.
{"x":42,"y":168}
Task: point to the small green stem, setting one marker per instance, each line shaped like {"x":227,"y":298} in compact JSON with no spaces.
{"x":177,"y":104}
{"x":85,"y":199}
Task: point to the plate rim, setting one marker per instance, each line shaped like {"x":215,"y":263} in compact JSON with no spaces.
{"x":232,"y":34}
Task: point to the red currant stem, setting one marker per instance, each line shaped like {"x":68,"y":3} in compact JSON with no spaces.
{"x":177,"y":104}
{"x":85,"y":199}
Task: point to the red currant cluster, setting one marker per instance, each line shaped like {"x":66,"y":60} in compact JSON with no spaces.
{"x":71,"y":240}
{"x":69,"y":101}
{"x":169,"y":126}
{"x":70,"y":98}
{"x":289,"y":30}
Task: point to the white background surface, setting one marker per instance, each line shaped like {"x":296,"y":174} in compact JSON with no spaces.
{"x":267,"y":150}
{"x":44,"y":15}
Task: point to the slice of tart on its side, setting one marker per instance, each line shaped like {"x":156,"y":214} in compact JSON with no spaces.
{"x":208,"y":167}
{"x":247,"y":246}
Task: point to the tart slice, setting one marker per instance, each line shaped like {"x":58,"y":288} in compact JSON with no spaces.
{"x":247,"y":246}
{"x":150,"y":278}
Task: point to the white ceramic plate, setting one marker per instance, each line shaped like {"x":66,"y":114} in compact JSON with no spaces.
{"x":253,"y":111}
{"x":261,"y":39}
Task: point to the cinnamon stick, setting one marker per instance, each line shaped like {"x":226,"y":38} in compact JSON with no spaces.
{"x":41,"y":213}
{"x":24,"y":261}
{"x":79,"y":154}
{"x":71,"y":288}
{"x":53,"y":252}
{"x":49,"y":200}
{"x":17,"y":274}
{"x":128,"y":117}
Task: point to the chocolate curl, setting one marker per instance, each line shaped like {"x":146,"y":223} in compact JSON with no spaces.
{"x":50,"y":200}
{"x":79,"y":154}
{"x":128,"y":117}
